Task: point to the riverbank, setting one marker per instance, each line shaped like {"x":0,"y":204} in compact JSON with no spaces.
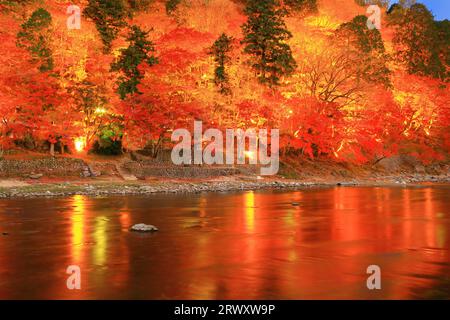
{"x":17,"y":189}
{"x":39,"y":176}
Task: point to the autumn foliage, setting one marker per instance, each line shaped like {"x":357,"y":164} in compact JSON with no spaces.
{"x":137,"y":70}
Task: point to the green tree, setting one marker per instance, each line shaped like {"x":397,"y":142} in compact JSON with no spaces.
{"x":109,"y":17}
{"x":139,"y":5}
{"x":140,"y":50}
{"x":265,"y":36}
{"x":220,"y":51}
{"x":307,"y":6}
{"x":417,"y":41}
{"x":171,"y":6}
{"x":34,"y":36}
{"x":369,"y":47}
{"x":443,"y":38}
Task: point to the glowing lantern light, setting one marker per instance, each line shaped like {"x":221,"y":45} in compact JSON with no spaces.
{"x":100,"y":110}
{"x":249,"y":154}
{"x":80,"y":144}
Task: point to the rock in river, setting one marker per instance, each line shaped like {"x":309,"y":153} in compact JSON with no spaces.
{"x":141,"y":227}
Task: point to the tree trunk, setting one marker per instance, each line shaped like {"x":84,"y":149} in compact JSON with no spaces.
{"x":52,"y":149}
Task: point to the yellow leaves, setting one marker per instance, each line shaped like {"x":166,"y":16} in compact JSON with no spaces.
{"x":214,"y":16}
{"x":80,"y":70}
{"x":116,"y":52}
{"x":288,"y":94}
{"x":402,"y":97}
{"x":322,"y":22}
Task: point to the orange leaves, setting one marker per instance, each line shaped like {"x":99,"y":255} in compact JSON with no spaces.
{"x":185,"y":38}
{"x":253,"y":115}
{"x":315,"y":127}
{"x":363,"y":124}
{"x":174,"y":60}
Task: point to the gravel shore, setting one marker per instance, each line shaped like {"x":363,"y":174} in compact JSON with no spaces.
{"x":155,"y":187}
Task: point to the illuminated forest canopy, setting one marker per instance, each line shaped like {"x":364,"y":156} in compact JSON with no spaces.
{"x":137,"y":70}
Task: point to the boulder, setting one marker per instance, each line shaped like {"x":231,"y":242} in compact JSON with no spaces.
{"x":141,"y":227}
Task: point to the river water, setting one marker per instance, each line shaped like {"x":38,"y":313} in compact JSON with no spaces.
{"x":306,"y":244}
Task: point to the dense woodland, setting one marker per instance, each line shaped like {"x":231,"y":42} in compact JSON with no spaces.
{"x":138,"y":69}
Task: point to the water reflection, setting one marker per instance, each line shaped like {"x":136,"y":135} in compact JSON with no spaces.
{"x":77,"y":228}
{"x":249,"y":199}
{"x":100,"y":241}
{"x":228,"y":246}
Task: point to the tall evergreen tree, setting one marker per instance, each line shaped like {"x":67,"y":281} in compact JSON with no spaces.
{"x":139,"y":5}
{"x":220,"y":50}
{"x":109,"y":17}
{"x":34,"y":36}
{"x":265,"y":36}
{"x":417,"y":40}
{"x":443,"y":39}
{"x":368,"y":48}
{"x":171,"y":6}
{"x":140,"y":50}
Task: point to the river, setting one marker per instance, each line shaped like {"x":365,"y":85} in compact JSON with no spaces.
{"x":306,"y":244}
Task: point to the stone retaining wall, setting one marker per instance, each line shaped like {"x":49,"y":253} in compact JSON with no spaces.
{"x":141,"y":169}
{"x":49,"y":167}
